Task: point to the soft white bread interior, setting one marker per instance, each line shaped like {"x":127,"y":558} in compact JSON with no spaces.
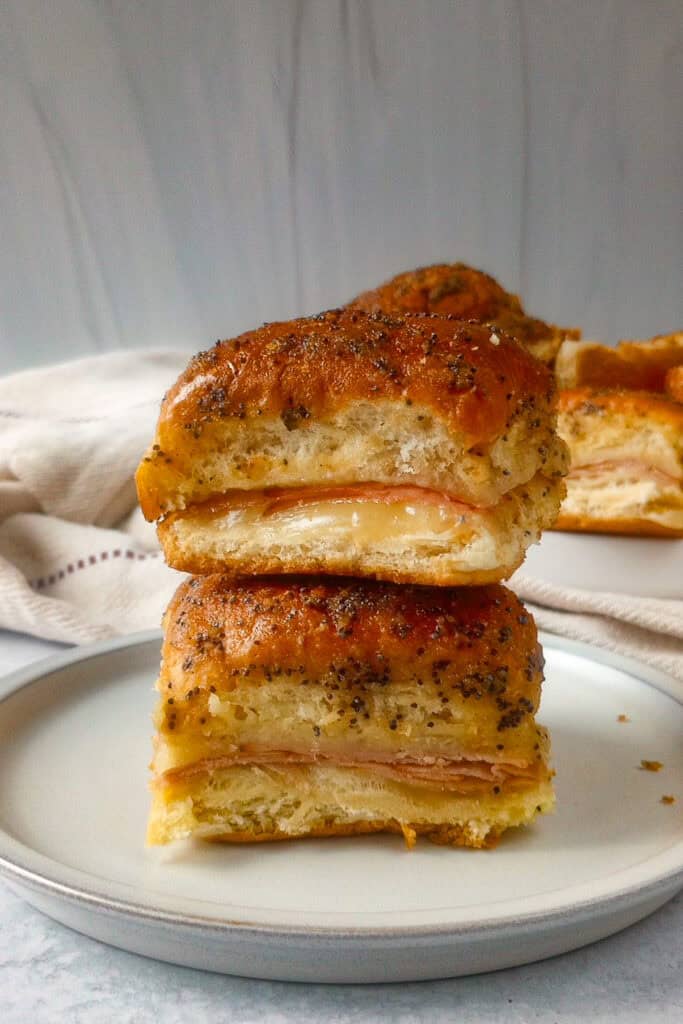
{"x":250,"y":804}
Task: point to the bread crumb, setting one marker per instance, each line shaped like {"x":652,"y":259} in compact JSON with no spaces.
{"x":668,"y":799}
{"x":623,"y":718}
{"x":651,"y":766}
{"x":410,"y":836}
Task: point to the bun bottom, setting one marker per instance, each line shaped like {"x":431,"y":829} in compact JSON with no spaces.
{"x":627,"y":527}
{"x":401,"y":541}
{"x":261,"y":804}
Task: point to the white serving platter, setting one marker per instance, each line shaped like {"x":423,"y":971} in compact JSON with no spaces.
{"x":74,"y":747}
{"x":642,"y":566}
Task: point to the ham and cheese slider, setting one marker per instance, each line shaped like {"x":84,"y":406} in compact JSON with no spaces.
{"x":295,"y":707}
{"x":415,"y":449}
{"x":626,"y":462}
{"x":458,"y":290}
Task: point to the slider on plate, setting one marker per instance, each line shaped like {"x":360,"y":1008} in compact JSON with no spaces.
{"x":299,"y":707}
{"x":461,"y":291}
{"x":412,"y":449}
{"x":626,"y":462}
{"x":632,"y":365}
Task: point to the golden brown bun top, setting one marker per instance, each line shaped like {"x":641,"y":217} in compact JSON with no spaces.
{"x":594,"y":401}
{"x":673,"y":384}
{"x":463,"y":292}
{"x":637,"y":365}
{"x":304,"y":369}
{"x":480,"y":640}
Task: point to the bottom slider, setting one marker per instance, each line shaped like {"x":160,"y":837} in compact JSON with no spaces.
{"x":310,"y":707}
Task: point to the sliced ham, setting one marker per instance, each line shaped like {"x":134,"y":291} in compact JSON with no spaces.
{"x":623,"y":467}
{"x":384,"y":494}
{"x":427,"y":770}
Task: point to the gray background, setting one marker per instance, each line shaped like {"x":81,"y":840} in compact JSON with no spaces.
{"x":172,"y":171}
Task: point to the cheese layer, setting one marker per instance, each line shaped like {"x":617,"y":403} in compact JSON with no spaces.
{"x":370,"y":522}
{"x":339,"y":528}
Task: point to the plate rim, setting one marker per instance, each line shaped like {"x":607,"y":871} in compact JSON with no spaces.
{"x":21,"y":875}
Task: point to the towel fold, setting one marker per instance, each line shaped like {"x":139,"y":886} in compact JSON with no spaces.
{"x":78,"y":563}
{"x":645,"y":628}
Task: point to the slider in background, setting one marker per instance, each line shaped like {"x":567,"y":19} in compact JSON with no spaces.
{"x":293,"y":708}
{"x":455,"y":289}
{"x":626,"y":471}
{"x":414,"y":449}
{"x":630,"y":365}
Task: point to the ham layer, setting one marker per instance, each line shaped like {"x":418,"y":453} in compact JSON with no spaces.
{"x":456,"y":774}
{"x":629,"y":469}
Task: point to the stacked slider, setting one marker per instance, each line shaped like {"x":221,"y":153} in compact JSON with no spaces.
{"x":342,"y":487}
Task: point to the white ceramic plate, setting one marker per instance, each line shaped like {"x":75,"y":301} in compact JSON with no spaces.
{"x":74,"y":747}
{"x":644,"y":566}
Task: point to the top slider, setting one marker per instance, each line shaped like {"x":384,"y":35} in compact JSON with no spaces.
{"x":414,"y":449}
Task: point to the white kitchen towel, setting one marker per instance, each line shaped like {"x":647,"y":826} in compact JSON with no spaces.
{"x":646,"y":628}
{"x":78,"y":563}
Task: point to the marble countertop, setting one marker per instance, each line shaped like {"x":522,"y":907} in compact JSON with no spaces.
{"x":50,"y":974}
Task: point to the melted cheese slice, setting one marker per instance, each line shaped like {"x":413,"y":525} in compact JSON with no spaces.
{"x":369,"y":523}
{"x":370,"y":512}
{"x":338,"y":527}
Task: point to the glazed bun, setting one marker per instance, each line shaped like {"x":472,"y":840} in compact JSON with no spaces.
{"x":626,"y":462}
{"x":412,"y":449}
{"x":633,"y":365}
{"x":455,"y":289}
{"x":327,"y":706}
{"x":673,"y":383}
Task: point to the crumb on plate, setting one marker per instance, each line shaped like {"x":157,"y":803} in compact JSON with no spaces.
{"x":651,"y":766}
{"x":410,"y":835}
